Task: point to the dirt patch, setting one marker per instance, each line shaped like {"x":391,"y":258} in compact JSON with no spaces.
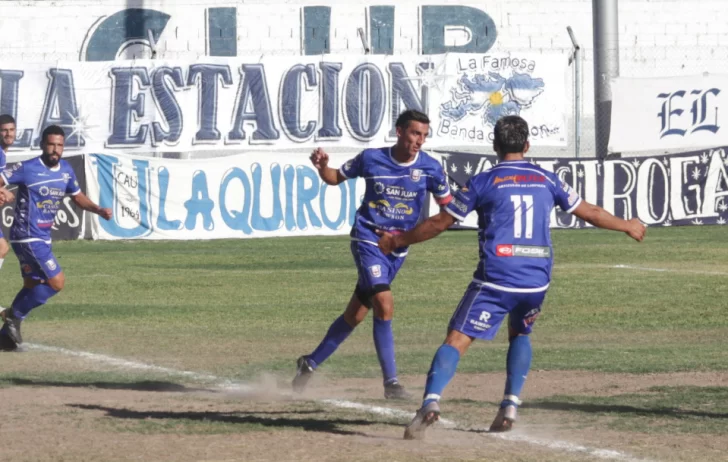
{"x":175,"y":422}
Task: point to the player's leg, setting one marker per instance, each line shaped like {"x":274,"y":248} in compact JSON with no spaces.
{"x":478,"y":315}
{"x":42,"y":279}
{"x":381,"y":272}
{"x":4,"y":248}
{"x":339,"y":330}
{"x":518,"y":360}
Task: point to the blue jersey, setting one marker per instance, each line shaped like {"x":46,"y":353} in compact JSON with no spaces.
{"x":3,"y":159}
{"x":395,"y":192}
{"x":40,"y":193}
{"x":514,"y":201}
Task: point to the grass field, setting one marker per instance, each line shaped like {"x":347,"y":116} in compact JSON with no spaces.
{"x":629,"y":362}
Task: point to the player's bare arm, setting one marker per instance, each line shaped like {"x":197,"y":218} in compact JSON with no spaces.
{"x":330,"y":176}
{"x":600,"y":218}
{"x":426,"y":230}
{"x":87,"y":204}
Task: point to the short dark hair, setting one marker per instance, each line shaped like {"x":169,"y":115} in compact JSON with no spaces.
{"x":510,"y":134}
{"x":7,"y":119}
{"x":411,"y":115}
{"x":52,"y":130}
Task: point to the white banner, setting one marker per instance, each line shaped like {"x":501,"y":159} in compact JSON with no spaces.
{"x":243,"y":196}
{"x":668,"y":113}
{"x":283,"y":102}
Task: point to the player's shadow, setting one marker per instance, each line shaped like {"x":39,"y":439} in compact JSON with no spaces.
{"x":145,"y":385}
{"x":622,"y":409}
{"x":264,"y":418}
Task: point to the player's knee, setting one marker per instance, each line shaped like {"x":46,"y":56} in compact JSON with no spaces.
{"x":354,"y":318}
{"x":57,"y":282}
{"x":382,"y":302}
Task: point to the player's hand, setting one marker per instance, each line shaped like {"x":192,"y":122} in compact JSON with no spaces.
{"x":106,"y":214}
{"x":636,"y":230}
{"x":319,"y":159}
{"x":386,"y":242}
{"x":6,"y":195}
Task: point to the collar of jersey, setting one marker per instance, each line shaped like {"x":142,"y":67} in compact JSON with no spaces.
{"x":52,"y":169}
{"x":512,"y":161}
{"x":404,"y":164}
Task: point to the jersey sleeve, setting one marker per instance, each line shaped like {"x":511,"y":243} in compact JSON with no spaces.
{"x":439,"y":187}
{"x":463,"y":202}
{"x":566,"y":197}
{"x":353,"y":168}
{"x":3,"y":160}
{"x":14,"y":175}
{"x":72,"y":186}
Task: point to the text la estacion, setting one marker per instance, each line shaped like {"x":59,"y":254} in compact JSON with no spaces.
{"x":152,"y":106}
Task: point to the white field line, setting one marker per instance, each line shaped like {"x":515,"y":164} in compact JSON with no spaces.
{"x":668,"y":270}
{"x":606,"y":454}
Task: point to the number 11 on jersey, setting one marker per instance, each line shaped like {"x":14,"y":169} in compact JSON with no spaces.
{"x":519,"y":203}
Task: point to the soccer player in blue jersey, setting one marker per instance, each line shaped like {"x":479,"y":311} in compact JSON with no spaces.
{"x":7,"y":138}
{"x":514,"y":201}
{"x":398,"y":179}
{"x":42,"y":183}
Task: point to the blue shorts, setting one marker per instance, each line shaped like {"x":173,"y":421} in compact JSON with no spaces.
{"x":482,"y":309}
{"x":36,"y":260}
{"x":375,"y":269}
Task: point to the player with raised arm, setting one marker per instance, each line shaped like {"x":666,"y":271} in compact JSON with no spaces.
{"x":397,"y":179}
{"x":42,"y":183}
{"x":514,"y":201}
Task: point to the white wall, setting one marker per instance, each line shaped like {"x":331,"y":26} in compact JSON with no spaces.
{"x":657,"y":37}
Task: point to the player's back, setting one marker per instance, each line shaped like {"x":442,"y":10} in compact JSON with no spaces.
{"x":515,"y":201}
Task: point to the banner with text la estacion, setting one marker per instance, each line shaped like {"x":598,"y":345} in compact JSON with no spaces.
{"x":242,"y":196}
{"x":274,"y":102}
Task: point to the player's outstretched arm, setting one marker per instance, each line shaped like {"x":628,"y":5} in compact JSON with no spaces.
{"x":320,"y":160}
{"x":424,"y":231}
{"x":600,"y":218}
{"x":85,"y":203}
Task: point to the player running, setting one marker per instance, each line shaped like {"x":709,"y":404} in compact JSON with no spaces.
{"x":397,"y":182}
{"x":42,"y":183}
{"x":514,"y":201}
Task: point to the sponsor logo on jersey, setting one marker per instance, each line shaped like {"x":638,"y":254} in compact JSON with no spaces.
{"x":51,"y":264}
{"x":397,"y":212}
{"x":376,"y":271}
{"x":516,"y":179}
{"x":396,"y":192}
{"x":415,"y":174}
{"x":458,"y":204}
{"x":532,"y":251}
{"x":378,"y":187}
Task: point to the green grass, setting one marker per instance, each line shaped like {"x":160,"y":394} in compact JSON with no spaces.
{"x":237,"y":308}
{"x":702,"y":410}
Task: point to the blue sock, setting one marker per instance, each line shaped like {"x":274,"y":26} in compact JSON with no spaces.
{"x":337,"y":333}
{"x":21,"y":295}
{"x":442,"y":370}
{"x":384,"y":343}
{"x":35,"y":297}
{"x":517,"y":366}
